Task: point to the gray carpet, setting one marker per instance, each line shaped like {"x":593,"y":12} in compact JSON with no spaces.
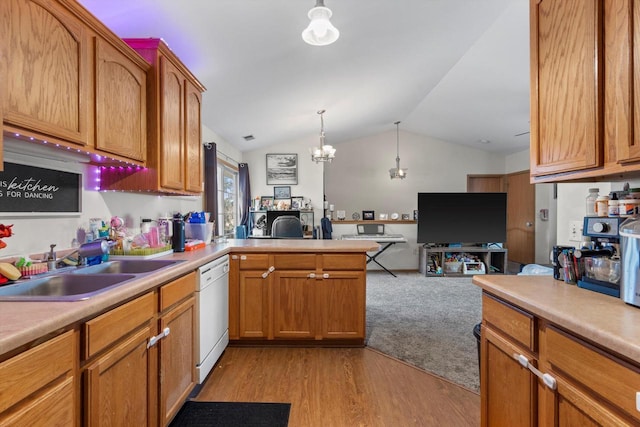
{"x":427,"y":322}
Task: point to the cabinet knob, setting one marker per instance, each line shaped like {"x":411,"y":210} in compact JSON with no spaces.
{"x":325,"y":275}
{"x":312,"y":275}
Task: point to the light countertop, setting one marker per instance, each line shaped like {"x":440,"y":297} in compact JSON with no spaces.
{"x":23,"y":322}
{"x":602,"y":319}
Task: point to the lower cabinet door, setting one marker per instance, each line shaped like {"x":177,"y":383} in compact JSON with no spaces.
{"x":54,"y":407}
{"x":342,"y":304}
{"x":120,"y":385}
{"x":253,"y":304}
{"x":177,"y":359}
{"x":508,"y":390}
{"x":294,"y":305}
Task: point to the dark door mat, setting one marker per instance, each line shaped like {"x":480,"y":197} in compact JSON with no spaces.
{"x":232,"y":414}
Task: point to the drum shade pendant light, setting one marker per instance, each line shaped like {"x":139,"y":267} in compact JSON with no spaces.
{"x":397,"y":172}
{"x":320,"y":31}
{"x":323,"y":153}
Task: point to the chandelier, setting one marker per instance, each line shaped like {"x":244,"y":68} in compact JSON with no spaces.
{"x":320,"y":31}
{"x":323,"y":153}
{"x":397,"y":172}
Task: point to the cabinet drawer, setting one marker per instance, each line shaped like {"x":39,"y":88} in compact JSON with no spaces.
{"x":105,"y":329}
{"x":253,"y":261}
{"x":612,"y":379}
{"x":343,"y":262}
{"x":177,"y":290}
{"x":30,"y":371}
{"x":512,"y":321}
{"x":56,"y":402}
{"x":294,"y":262}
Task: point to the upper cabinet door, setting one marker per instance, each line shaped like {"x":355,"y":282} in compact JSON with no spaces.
{"x":566,"y":89}
{"x":47,"y":74}
{"x":121,"y":104}
{"x":172,"y":116}
{"x":193,"y":140}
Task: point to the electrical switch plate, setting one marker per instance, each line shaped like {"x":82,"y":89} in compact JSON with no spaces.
{"x":575,"y":231}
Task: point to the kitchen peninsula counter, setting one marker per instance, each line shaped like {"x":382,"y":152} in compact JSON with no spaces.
{"x":22,"y":323}
{"x":602,"y":319}
{"x":557,"y":353}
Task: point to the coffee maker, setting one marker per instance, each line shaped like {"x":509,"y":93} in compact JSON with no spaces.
{"x":600,"y":265}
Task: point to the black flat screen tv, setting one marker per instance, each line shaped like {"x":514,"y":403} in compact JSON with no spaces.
{"x":465,"y":218}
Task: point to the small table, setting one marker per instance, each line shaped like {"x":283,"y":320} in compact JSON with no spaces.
{"x":387,"y":239}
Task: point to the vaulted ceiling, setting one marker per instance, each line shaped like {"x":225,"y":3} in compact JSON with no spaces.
{"x":456,"y":70}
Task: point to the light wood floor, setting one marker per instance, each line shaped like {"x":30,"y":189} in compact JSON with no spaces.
{"x":340,"y":387}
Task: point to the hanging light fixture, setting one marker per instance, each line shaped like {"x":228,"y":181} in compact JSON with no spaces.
{"x":320,"y":31}
{"x":323,"y":153}
{"x":397,"y":172}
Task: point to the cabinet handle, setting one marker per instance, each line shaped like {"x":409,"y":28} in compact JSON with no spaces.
{"x":269,"y":271}
{"x":325,"y":275}
{"x":154,"y":340}
{"x":547,"y":379}
{"x":312,"y":275}
{"x":243,"y":257}
{"x":234,"y":256}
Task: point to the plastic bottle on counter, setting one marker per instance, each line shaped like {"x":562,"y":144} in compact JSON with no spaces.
{"x":178,"y":237}
{"x":613,"y":207}
{"x":602,"y":206}
{"x":591,"y":202}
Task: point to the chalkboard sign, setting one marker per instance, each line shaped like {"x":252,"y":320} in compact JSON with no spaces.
{"x":33,"y":189}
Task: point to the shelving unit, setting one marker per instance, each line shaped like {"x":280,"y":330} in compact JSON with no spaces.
{"x":494,"y":259}
{"x":306,"y":216}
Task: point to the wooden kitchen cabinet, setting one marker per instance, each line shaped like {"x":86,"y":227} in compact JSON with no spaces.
{"x":594,"y":388}
{"x":585,"y":90}
{"x":305,"y":297}
{"x":177,"y":359}
{"x":40,"y":381}
{"x":120,"y":385}
{"x":48,"y":79}
{"x":507,"y":389}
{"x":174,"y":142}
{"x":585,"y":384}
{"x":566,"y":85}
{"x":71,"y":81}
{"x":121,"y":103}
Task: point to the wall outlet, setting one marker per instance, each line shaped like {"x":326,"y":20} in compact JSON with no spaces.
{"x":575,"y":231}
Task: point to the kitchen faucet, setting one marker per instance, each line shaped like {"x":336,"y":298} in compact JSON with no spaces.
{"x":95,"y":248}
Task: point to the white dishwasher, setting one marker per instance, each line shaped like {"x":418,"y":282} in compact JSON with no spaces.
{"x":212,"y":303}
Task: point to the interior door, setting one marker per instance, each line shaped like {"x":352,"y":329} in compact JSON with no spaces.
{"x":520,"y":218}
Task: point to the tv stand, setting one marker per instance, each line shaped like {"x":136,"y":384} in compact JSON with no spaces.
{"x":494,"y":259}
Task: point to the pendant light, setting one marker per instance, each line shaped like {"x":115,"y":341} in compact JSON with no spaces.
{"x":320,"y":31}
{"x":323,"y":153}
{"x":397,"y":172}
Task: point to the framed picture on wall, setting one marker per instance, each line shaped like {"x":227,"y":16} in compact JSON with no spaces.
{"x":368,"y":215}
{"x":282,"y":192}
{"x":282,"y":169}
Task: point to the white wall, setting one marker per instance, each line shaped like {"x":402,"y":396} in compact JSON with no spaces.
{"x":34,"y":233}
{"x":358,"y":179}
{"x":309,"y":173}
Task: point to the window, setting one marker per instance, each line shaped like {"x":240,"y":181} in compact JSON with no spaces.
{"x":228,"y":215}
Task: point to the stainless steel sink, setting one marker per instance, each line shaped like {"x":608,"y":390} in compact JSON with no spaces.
{"x":63,"y":287}
{"x":126,"y":267}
